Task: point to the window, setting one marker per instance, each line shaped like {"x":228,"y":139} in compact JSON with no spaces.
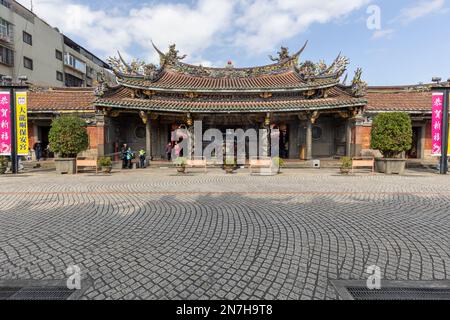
{"x":90,"y":72}
{"x":72,"y":81}
{"x":27,"y":38}
{"x":28,"y":63}
{"x":59,"y":76}
{"x":6,"y":56}
{"x":58,"y":55}
{"x":317,"y":133}
{"x":5,"y":30}
{"x":79,"y":65}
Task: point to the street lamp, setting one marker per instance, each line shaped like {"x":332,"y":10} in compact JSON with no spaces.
{"x":445,"y":89}
{"x":7,"y":84}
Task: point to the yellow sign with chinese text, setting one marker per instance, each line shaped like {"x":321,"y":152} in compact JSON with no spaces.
{"x":22,"y":124}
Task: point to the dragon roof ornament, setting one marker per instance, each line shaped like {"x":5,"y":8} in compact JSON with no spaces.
{"x":359,"y":87}
{"x":309,"y":69}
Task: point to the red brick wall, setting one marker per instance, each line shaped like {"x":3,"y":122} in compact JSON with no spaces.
{"x":362,"y":136}
{"x":96,"y":136}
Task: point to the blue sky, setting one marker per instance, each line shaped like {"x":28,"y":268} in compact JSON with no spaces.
{"x":408,"y":46}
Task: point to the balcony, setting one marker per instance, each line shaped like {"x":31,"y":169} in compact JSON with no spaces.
{"x":74,"y":63}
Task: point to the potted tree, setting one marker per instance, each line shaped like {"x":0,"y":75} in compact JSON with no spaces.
{"x":3,"y":164}
{"x":181,"y":163}
{"x":392,"y":136}
{"x":230,"y":165}
{"x":278,"y":163}
{"x":346,"y":165}
{"x":67,"y":137}
{"x":106,"y":164}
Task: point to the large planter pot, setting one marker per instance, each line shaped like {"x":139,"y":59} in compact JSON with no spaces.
{"x":345,"y":170}
{"x":66,"y":166}
{"x":229,"y":170}
{"x":390,"y":166}
{"x":107,"y":169}
{"x":181,"y":169}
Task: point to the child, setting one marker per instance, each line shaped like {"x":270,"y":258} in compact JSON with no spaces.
{"x":142,"y":156}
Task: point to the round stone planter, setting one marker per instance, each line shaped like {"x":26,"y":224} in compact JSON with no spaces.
{"x":345,"y":170}
{"x":181,"y":169}
{"x":390,"y":166}
{"x":66,"y":166}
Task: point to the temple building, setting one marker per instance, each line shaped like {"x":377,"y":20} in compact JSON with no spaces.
{"x":318,"y":114}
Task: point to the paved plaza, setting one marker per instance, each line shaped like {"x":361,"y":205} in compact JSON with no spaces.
{"x":153,"y":234}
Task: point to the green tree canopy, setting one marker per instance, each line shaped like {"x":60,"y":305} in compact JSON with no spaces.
{"x":68,"y":136}
{"x":392,"y":133}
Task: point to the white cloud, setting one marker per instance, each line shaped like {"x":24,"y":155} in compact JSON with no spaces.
{"x":253,"y":25}
{"x":267,"y":22}
{"x":420,"y":9}
{"x":384,"y":33}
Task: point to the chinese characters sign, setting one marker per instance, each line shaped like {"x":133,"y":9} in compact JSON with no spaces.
{"x":22,"y":124}
{"x":437,"y":118}
{"x":5,"y":124}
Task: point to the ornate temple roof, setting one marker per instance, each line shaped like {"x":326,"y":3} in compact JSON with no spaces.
{"x":285,"y":85}
{"x":336,"y":99}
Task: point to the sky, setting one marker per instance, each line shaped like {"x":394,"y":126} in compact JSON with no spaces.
{"x":395,"y":42}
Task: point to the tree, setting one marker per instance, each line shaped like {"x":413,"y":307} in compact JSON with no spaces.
{"x":68,"y":136}
{"x":392,"y":133}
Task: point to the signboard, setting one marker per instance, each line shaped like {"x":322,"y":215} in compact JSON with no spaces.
{"x":22,"y":124}
{"x":436,"y":124}
{"x":5,"y":124}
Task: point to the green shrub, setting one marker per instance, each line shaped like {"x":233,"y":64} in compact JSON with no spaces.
{"x":68,"y":136}
{"x":180,"y":162}
{"x":392,"y":133}
{"x":277,"y":161}
{"x":230,"y":162}
{"x":3,"y":161}
{"x":105,"y":162}
{"x":347,"y":162}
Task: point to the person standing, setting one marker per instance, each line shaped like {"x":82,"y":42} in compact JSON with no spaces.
{"x":142,"y":156}
{"x":130,"y":157}
{"x":124,"y":152}
{"x":38,"y":150}
{"x":169,"y":149}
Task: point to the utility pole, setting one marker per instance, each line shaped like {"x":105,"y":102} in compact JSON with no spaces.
{"x":8,"y":85}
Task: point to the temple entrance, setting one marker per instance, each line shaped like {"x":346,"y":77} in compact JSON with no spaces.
{"x":415,"y":151}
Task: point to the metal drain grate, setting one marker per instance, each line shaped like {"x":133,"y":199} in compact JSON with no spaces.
{"x":55,"y":293}
{"x":393,"y":290}
{"x":400,"y":294}
{"x":39,"y":290}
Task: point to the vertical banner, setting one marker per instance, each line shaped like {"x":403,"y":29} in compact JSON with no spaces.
{"x":436,"y":124}
{"x":22,"y":124}
{"x":5,"y":124}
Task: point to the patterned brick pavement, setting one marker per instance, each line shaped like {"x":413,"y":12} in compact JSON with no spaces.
{"x":155,"y":235}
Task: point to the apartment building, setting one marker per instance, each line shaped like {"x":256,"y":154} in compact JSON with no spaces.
{"x":31,"y":47}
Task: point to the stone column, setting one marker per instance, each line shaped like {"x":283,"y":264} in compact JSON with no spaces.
{"x":148,"y":139}
{"x":348,"y":138}
{"x":309,"y":139}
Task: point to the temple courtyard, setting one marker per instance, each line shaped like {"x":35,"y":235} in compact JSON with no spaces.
{"x":154,"y":234}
